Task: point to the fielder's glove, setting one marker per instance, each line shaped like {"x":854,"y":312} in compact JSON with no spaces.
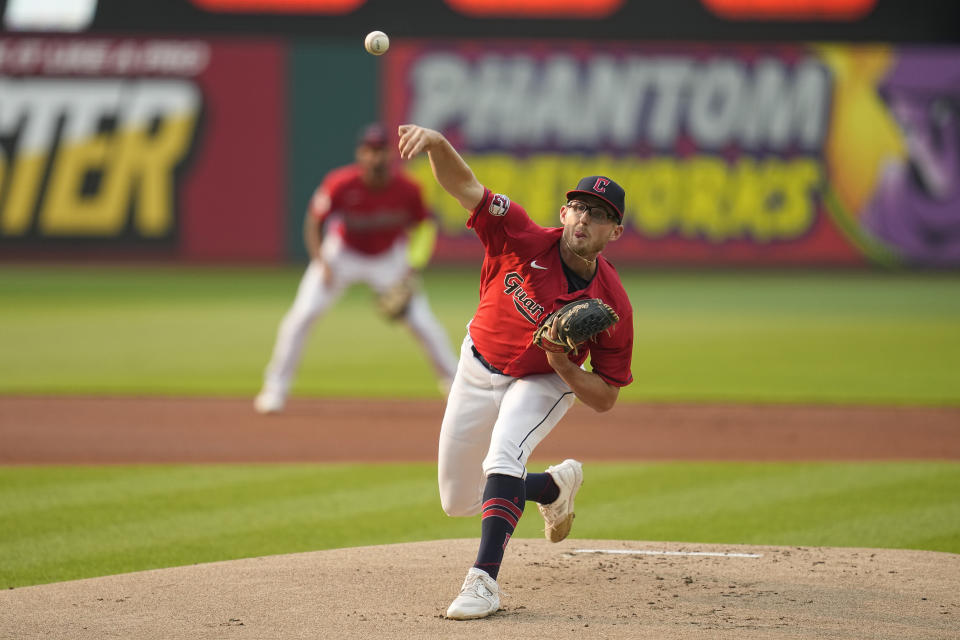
{"x":394,"y":302}
{"x":578,"y":322}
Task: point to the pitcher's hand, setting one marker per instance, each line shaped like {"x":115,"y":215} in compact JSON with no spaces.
{"x":415,"y":139}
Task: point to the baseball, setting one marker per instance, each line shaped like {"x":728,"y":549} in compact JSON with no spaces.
{"x":376,"y":43}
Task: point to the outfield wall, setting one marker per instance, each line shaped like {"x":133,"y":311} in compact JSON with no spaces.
{"x":207,"y":148}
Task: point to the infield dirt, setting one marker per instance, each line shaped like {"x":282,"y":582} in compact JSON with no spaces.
{"x":81,"y":430}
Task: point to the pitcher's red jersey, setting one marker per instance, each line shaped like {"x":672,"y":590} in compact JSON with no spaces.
{"x":522,"y":281}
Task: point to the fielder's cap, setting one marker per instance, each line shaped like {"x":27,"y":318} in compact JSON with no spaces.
{"x":373,"y":135}
{"x":604,"y":188}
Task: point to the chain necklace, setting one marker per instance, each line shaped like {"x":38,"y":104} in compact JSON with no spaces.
{"x":588,"y":261}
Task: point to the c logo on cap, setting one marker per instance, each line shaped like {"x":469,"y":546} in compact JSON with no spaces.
{"x":601,"y":185}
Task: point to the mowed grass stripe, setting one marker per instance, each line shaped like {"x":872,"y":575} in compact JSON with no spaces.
{"x":226,"y":494}
{"x":726,"y":336}
{"x":212,"y":513}
{"x":776,"y":504}
{"x":352,"y":513}
{"x":210,"y":348}
{"x":806,"y":359}
{"x":905,"y":527}
{"x":41,"y":489}
{"x":91,"y":521}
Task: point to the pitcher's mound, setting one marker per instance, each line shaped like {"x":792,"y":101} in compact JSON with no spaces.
{"x":575,"y":589}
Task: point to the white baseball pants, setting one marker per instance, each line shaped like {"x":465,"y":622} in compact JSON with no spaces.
{"x":492,"y":424}
{"x":315,"y":297}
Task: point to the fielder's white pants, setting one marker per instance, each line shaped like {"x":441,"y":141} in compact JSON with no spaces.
{"x":491,"y":425}
{"x":315,"y":297}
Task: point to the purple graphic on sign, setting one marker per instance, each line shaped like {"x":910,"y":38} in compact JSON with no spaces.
{"x":916,"y":206}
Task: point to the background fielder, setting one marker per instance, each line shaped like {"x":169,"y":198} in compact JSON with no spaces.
{"x":356,"y":231}
{"x":508,"y":394}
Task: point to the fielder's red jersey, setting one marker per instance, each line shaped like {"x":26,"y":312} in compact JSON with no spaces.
{"x":369,"y":220}
{"x":522,"y":281}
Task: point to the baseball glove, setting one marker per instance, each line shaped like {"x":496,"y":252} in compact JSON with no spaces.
{"x":579,"y":321}
{"x":393,"y":302}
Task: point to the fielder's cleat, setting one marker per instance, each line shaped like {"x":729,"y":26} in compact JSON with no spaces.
{"x":267,"y":402}
{"x":479,"y":597}
{"x":558,"y":515}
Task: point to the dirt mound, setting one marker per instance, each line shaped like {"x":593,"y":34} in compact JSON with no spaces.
{"x":575,"y":589}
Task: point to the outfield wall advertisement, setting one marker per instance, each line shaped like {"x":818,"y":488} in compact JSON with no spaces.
{"x":740,"y":154}
{"x":749,"y":154}
{"x":167,"y":148}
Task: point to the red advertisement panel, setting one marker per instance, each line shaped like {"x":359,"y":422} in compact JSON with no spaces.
{"x":235,"y":192}
{"x":729,"y":154}
{"x":133,"y":146}
{"x":281,"y":6}
{"x":791,"y":9}
{"x":557,"y":9}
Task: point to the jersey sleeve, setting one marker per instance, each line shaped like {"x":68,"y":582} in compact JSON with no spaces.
{"x":611,"y":355}
{"x":501,"y":223}
{"x":322,"y":201}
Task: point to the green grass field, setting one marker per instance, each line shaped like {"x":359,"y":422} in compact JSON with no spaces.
{"x":832,"y":337}
{"x":60,"y":523}
{"x":824,"y":338}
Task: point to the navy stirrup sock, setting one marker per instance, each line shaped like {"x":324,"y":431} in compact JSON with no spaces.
{"x":541,"y":488}
{"x":503,"y":499}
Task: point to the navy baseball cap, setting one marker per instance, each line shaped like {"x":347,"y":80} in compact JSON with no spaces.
{"x":373,"y":135}
{"x":604,"y":188}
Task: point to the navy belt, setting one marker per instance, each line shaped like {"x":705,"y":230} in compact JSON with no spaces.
{"x":486,"y":365}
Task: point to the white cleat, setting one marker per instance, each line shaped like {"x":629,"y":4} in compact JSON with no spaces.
{"x":558,"y":515}
{"x":268,"y":403}
{"x":479,"y":597}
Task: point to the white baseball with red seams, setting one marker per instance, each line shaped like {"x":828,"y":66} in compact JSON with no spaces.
{"x":376,"y":43}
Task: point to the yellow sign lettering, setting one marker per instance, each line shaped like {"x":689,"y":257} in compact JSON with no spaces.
{"x":112,"y":167}
{"x":134,"y":166}
{"x":22,"y":185}
{"x":66,"y":211}
{"x":699,"y":197}
{"x":657,"y":196}
{"x":705,"y":185}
